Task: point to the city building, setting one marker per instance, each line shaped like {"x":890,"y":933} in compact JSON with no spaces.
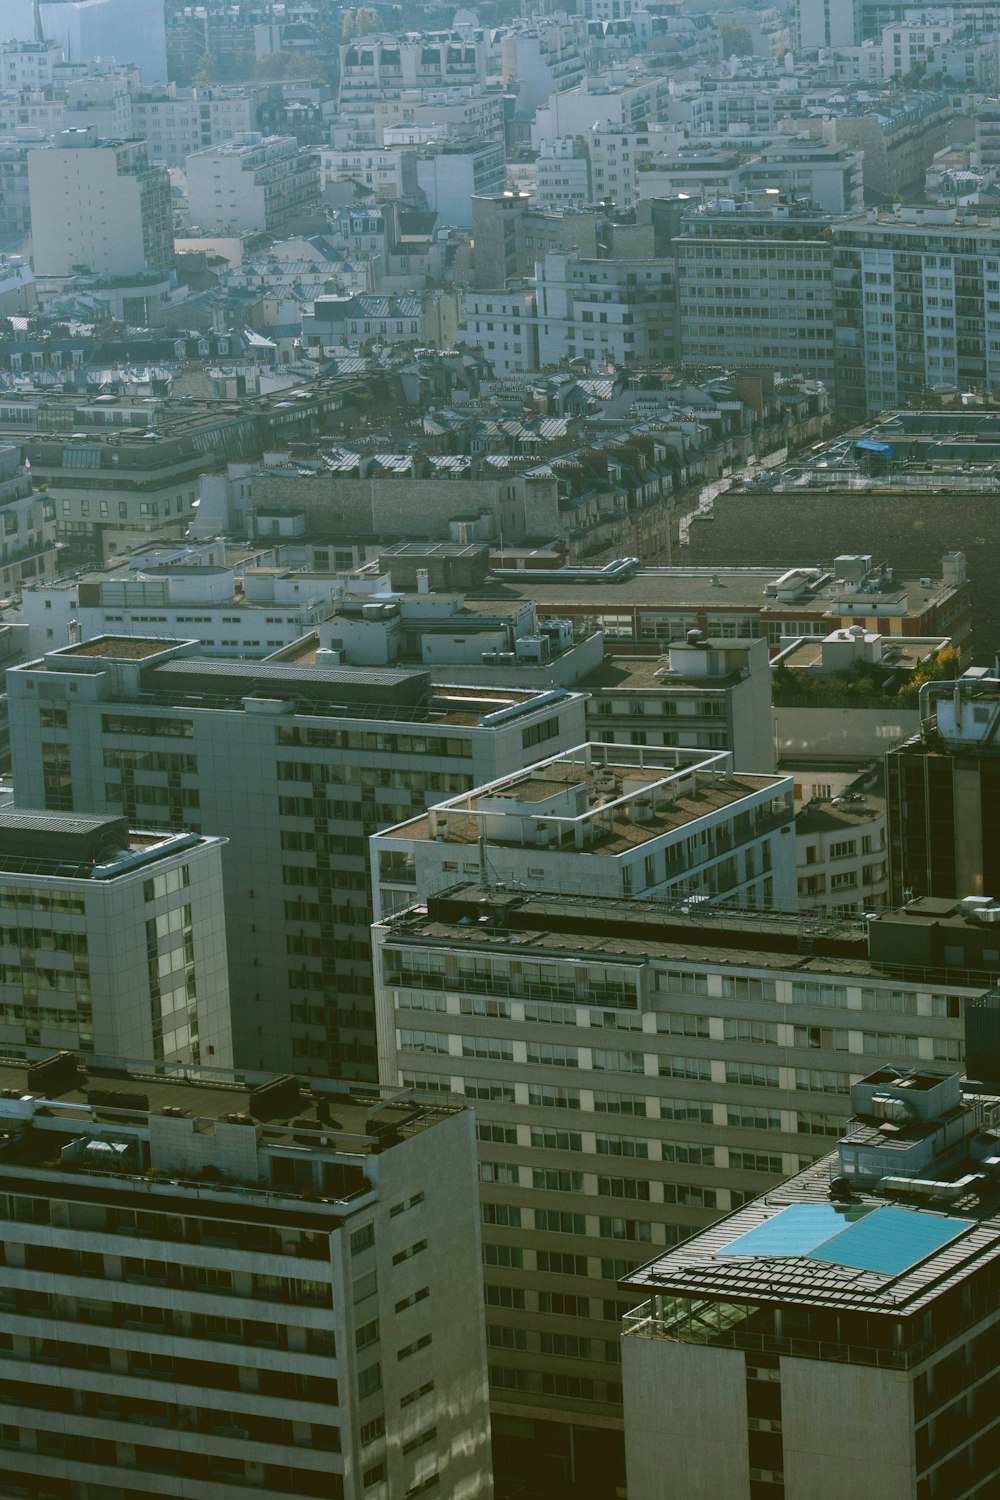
{"x":113,"y":939}
{"x":151,"y":729}
{"x":943,"y":790}
{"x":450,"y":174}
{"x":654,"y":606}
{"x":375,"y":68}
{"x":639,"y":1069}
{"x":607,"y":820}
{"x":842,"y":848}
{"x":98,"y":206}
{"x":755,"y":288}
{"x":917,"y":293}
{"x":838,"y":1334}
{"x":701,"y":694}
{"x":176,"y":123}
{"x":28,"y":550}
{"x":267,"y":183}
{"x":133,"y":31}
{"x":218,"y":1282}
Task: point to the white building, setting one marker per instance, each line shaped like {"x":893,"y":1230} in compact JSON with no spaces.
{"x":700,"y":694}
{"x":98,"y":205}
{"x":619,"y":312}
{"x":271,"y":607}
{"x":388,"y":171}
{"x":268,"y":183}
{"x":542,"y":59}
{"x":562,"y":174}
{"x":819,"y":24}
{"x":504,"y":324}
{"x":28,"y":65}
{"x":449,"y":174}
{"x":607,"y":820}
{"x":242,"y":1280}
{"x":113,"y":940}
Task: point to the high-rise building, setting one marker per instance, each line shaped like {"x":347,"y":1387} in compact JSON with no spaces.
{"x":837,"y":1336}
{"x":943,"y":791}
{"x":638,"y":1070}
{"x":132,"y":31}
{"x":114,"y":940}
{"x":295,"y":764}
{"x":98,"y":206}
{"x":217,"y":1284}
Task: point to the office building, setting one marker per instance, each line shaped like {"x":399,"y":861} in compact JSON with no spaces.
{"x":98,"y":206}
{"x":701,"y":694}
{"x":638,"y":1068}
{"x":943,"y":790}
{"x":217,"y":1284}
{"x":607,"y":820}
{"x":114,"y":939}
{"x":152,"y":730}
{"x":754,"y":288}
{"x":837,"y":1336}
{"x":267,"y":183}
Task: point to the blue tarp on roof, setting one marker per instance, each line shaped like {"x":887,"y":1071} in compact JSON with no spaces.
{"x":867,"y":445}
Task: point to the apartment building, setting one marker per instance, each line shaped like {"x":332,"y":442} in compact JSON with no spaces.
{"x":918,"y":306}
{"x":613,"y":820}
{"x":598,"y":311}
{"x":451,"y":173}
{"x":388,"y":171}
{"x":839,"y":1333}
{"x":755,"y":287}
{"x":98,"y":205}
{"x":379,"y":67}
{"x":113,"y":939}
{"x":150,"y":729}
{"x":562,"y":174}
{"x":267,"y":183}
{"x":176,"y":123}
{"x":639,"y":1069}
{"x":15,"y":200}
{"x":28,"y":64}
{"x":943,"y":790}
{"x":542,"y":59}
{"x":218,"y":1283}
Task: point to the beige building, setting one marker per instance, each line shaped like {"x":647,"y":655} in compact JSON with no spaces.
{"x":267,"y":183}
{"x":98,"y":205}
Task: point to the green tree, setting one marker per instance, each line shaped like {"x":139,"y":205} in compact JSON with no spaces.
{"x":367,"y":22}
{"x":275,"y":65}
{"x":208,"y":72}
{"x":347,"y":26}
{"x":736,"y":41}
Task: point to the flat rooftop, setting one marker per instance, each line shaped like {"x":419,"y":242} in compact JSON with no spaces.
{"x":616,"y":804}
{"x":120,"y":647}
{"x":678,"y":931}
{"x":693,"y":589}
{"x":358,"y":1118}
{"x":795,"y":1246}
